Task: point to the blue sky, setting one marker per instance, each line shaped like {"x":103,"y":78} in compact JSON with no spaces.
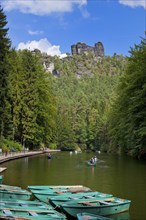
{"x":54,"y":25}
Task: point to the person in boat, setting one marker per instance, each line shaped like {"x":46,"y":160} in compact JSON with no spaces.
{"x":92,"y":160}
{"x":95,"y":159}
{"x":49,"y":156}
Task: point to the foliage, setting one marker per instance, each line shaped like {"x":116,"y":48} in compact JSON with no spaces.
{"x":128,"y":116}
{"x":5,"y":126}
{"x":83,"y":106}
{"x":10,"y":145}
{"x":52,"y":146}
{"x":32,"y":100}
{"x":80,"y":108}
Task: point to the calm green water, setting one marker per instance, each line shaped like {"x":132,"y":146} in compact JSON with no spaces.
{"x":121,"y":176}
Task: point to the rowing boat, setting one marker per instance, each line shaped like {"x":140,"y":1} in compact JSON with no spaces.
{"x":22,"y":204}
{"x":9,"y":187}
{"x":100,"y":207}
{"x":40,"y":215}
{"x":45,"y":195}
{"x":91,"y":164}
{"x":56,"y":187}
{"x":14,"y":194}
{"x":57,"y":200}
{"x":88,"y":216}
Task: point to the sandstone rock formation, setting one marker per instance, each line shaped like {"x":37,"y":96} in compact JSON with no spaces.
{"x":80,"y":48}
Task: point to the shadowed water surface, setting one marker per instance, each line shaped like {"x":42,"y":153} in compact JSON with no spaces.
{"x":121,"y":176}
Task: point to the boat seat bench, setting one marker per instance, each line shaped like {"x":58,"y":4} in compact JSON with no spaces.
{"x":33,"y":213}
{"x":88,"y":203}
{"x":7,"y":212}
{"x":104,"y":202}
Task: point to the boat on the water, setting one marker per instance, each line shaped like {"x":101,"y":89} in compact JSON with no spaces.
{"x":100,"y":207}
{"x":89,"y":216}
{"x":57,"y":200}
{"x":9,"y":187}
{"x":61,"y":191}
{"x":15,"y":194}
{"x":22,"y":204}
{"x":49,"y":156}
{"x":46,"y":194}
{"x":55,"y":187}
{"x":25,"y":214}
{"x":91,"y":164}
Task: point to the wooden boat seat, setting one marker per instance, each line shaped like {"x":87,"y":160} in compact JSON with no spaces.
{"x":7,"y":212}
{"x":88,"y":203}
{"x":88,"y":197}
{"x":23,"y":205}
{"x":104,"y":202}
{"x":33,"y":213}
{"x":79,"y":190}
{"x":59,"y":192}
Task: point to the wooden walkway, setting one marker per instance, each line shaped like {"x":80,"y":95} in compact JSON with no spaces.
{"x":17,"y":155}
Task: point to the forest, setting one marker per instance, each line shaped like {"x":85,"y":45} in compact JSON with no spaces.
{"x":92,"y":105}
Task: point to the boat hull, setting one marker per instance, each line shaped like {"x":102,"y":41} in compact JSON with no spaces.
{"x":32,"y":214}
{"x":15,"y":194}
{"x":54,"y":187}
{"x":83,"y":216}
{"x":96,"y":209}
{"x":58,"y":200}
{"x":91,"y":164}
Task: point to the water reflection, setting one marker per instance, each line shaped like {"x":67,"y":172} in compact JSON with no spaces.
{"x":92,"y":170}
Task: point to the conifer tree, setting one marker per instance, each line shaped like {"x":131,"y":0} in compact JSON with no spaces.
{"x":4,"y":99}
{"x":128,"y":117}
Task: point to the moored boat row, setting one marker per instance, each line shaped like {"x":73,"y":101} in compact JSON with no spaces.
{"x":59,"y":202}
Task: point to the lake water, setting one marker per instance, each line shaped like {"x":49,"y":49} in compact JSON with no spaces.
{"x":122,"y":176}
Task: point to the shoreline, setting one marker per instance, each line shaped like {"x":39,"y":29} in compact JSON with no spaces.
{"x":17,"y":155}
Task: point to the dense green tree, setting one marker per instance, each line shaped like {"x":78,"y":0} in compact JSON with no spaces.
{"x":128,"y":117}
{"x":33,"y":103}
{"x":83,"y":107}
{"x":15,"y":83}
{"x":5,"y":114}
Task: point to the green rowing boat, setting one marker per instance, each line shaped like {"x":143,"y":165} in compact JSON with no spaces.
{"x":57,"y":200}
{"x":32,"y":214}
{"x":16,"y":202}
{"x":45,"y":195}
{"x":88,"y":216}
{"x":9,"y":187}
{"x":102,"y":207}
{"x":55,"y":187}
{"x":26,"y":207}
{"x":91,"y":164}
{"x":15,"y":194}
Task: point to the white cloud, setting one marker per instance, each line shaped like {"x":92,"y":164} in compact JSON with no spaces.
{"x":42,"y":7}
{"x":35,"y":32}
{"x":84,"y":12}
{"x":134,"y":3}
{"x":43,"y":45}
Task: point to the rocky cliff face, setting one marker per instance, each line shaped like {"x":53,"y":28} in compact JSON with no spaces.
{"x":81,"y":48}
{"x":85,"y":61}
